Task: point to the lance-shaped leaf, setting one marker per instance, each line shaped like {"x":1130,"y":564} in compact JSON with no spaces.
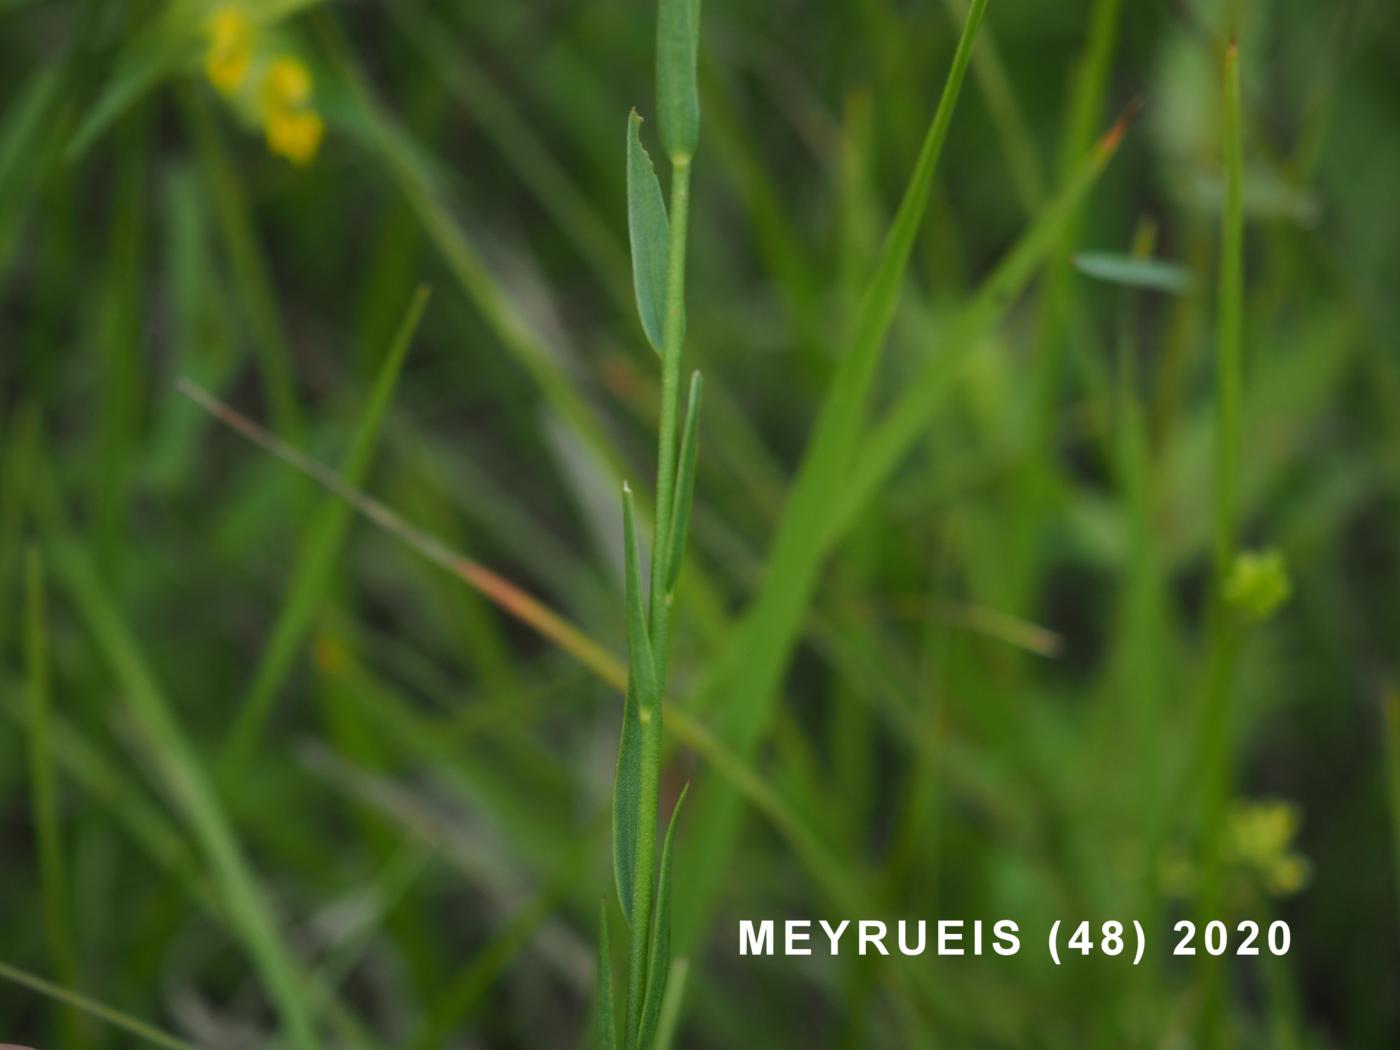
{"x":641,"y":694}
{"x":685,"y":486}
{"x":1155,"y":274}
{"x":659,"y":957}
{"x":605,"y":1034}
{"x":649,"y":233}
{"x":677,"y":86}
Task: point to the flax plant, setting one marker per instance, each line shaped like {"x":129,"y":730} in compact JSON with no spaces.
{"x":658,"y":242}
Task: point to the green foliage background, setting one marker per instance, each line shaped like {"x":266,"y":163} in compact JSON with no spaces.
{"x":269,"y":777}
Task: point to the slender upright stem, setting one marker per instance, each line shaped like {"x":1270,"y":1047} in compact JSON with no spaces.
{"x":1223,"y":631}
{"x":673,"y":336}
{"x":1230,"y":351}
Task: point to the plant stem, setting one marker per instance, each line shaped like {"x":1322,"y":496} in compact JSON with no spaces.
{"x":1223,"y":632}
{"x":673,"y":340}
{"x":673,"y":335}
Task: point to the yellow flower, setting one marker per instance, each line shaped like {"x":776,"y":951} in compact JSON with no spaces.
{"x":230,"y":48}
{"x":295,"y":134}
{"x":286,"y":84}
{"x":293,"y":127}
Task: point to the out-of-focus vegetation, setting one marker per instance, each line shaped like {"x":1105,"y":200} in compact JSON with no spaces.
{"x":1052,"y":575}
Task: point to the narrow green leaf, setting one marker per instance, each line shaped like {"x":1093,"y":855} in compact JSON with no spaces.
{"x":640,"y":663}
{"x":1154,"y":274}
{"x":626,"y":801}
{"x":744,"y":681}
{"x":1392,"y":777}
{"x":1230,"y":333}
{"x":103,"y":1012}
{"x":185,"y":779}
{"x":649,"y":233}
{"x":671,"y":1004}
{"x":319,"y":554}
{"x":53,"y":879}
{"x":685,"y":486}
{"x":901,"y":424}
{"x":677,"y":83}
{"x":641,"y":693}
{"x":659,"y":957}
{"x":605,"y":1035}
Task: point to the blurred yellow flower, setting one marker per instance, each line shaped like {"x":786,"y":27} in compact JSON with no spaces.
{"x":293,"y":127}
{"x":230,"y":48}
{"x":295,"y":134}
{"x":286,"y":84}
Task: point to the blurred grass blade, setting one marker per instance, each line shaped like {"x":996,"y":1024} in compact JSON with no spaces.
{"x":53,"y":877}
{"x":417,"y":180}
{"x":320,"y":551}
{"x":677,"y":83}
{"x":102,"y":1012}
{"x":640,"y":694}
{"x":605,"y":1033}
{"x":648,"y":233}
{"x":685,"y":487}
{"x":26,"y":144}
{"x":1230,"y":336}
{"x":152,"y":54}
{"x":746,"y":677}
{"x":901,"y":425}
{"x":1392,"y":779}
{"x":505,"y":594}
{"x":659,"y":960}
{"x":185,"y":778}
{"x":1223,"y":634}
{"x":252,"y":278}
{"x":1153,"y":274}
{"x":724,"y":762}
{"x":671,"y":1005}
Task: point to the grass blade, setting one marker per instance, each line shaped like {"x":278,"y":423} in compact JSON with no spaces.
{"x":677,"y":82}
{"x":724,"y":762}
{"x":102,"y":1012}
{"x":659,"y":964}
{"x":1222,"y":629}
{"x":1156,"y":275}
{"x":671,"y":1005}
{"x":648,"y":232}
{"x":320,"y":550}
{"x":685,"y":487}
{"x":605,"y":1032}
{"x":1230,"y":336}
{"x":751,"y":669}
{"x":185,"y":777}
{"x":252,"y":280}
{"x":512,"y":599}
{"x":53,"y":877}
{"x":1392,"y":777}
{"x":900,"y":426}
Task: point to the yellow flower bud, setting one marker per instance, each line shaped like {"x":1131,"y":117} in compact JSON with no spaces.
{"x":230,"y":48}
{"x":295,"y":134}
{"x":286,"y":84}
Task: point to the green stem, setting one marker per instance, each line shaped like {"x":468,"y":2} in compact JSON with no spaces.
{"x":673,"y":338}
{"x":1223,"y":631}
